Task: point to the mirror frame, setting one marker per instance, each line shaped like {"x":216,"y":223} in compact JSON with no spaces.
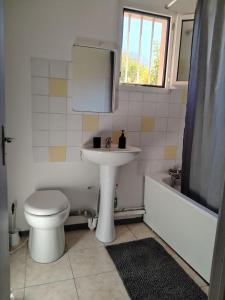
{"x":105,"y":45}
{"x":176,"y":50}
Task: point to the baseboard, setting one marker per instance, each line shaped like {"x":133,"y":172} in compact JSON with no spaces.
{"x":71,"y":227}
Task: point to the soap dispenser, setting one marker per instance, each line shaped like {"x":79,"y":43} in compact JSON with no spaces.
{"x":122,"y":141}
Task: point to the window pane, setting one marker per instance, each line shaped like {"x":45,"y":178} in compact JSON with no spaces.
{"x":143,"y":49}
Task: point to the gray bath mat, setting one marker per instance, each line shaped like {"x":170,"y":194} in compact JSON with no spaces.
{"x":149,"y":272}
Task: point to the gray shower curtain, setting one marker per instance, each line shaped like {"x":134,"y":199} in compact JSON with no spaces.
{"x":203,"y":175}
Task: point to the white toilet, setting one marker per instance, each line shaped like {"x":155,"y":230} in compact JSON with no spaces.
{"x":45,"y":212}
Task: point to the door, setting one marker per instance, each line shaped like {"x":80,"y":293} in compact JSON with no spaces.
{"x":4,"y":243}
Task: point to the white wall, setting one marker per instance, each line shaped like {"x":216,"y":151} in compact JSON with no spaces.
{"x":47,"y":29}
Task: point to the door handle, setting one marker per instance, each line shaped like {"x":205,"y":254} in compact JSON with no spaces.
{"x":5,"y":140}
{"x":8,"y":140}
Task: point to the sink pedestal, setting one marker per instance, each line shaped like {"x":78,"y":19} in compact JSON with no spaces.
{"x":105,"y":231}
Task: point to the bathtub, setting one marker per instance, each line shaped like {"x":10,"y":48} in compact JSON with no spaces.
{"x":186,"y":226}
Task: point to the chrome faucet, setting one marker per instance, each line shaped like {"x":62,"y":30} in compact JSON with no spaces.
{"x":108,"y":142}
{"x":175,"y":174}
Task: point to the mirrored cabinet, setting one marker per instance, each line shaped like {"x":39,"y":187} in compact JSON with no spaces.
{"x":182,"y":50}
{"x":93,"y":77}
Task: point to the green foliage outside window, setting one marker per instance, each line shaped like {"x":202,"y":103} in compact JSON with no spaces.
{"x":132,"y":71}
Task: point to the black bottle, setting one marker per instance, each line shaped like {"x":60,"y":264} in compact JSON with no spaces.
{"x":122,"y":141}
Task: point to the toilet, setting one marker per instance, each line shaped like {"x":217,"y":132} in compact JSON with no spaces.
{"x":45,"y":212}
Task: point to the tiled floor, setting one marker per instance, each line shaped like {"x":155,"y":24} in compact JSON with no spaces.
{"x":84,"y":272}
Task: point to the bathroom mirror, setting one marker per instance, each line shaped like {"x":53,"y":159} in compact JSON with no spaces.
{"x":185,"y":50}
{"x":93,"y":79}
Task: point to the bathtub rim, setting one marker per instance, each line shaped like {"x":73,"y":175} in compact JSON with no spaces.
{"x":158,"y":178}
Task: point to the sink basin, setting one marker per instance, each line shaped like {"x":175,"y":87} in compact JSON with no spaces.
{"x":109,"y":160}
{"x":111,"y":156}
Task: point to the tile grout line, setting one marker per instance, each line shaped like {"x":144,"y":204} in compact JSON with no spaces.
{"x":72,"y":273}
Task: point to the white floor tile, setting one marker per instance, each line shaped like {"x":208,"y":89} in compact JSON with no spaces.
{"x":90,"y":261}
{"x":37,"y":273}
{"x":63,"y":290}
{"x":101,"y":287}
{"x":140,"y":230}
{"x":82,"y":239}
{"x":123,"y":235}
{"x":17,"y":268}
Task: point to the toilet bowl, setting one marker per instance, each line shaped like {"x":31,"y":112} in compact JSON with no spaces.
{"x":46,"y":212}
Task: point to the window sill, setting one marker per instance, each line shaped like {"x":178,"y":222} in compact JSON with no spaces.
{"x":143,"y":89}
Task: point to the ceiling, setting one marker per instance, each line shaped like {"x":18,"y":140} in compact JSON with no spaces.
{"x":183,"y":6}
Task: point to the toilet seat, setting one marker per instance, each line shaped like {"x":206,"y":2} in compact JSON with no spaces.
{"x":46,"y":203}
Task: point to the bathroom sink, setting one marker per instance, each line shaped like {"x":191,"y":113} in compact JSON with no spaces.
{"x":109,"y":160}
{"x":110,"y":156}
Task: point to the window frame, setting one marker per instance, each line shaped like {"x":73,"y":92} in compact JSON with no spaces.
{"x":167,"y":48}
{"x":175,"y":83}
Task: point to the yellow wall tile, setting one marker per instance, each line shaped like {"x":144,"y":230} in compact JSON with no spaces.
{"x":183,"y":99}
{"x":90,"y":123}
{"x":116,"y":135}
{"x":170,"y":152}
{"x":147,"y":124}
{"x":57,"y":87}
{"x":57,"y":154}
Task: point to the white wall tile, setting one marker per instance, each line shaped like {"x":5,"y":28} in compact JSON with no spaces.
{"x":175,"y":110}
{"x":174,"y":124}
{"x":156,"y":152}
{"x":123,"y":95}
{"x":69,"y":89}
{"x":87,"y":137}
{"x":134,"y":123}
{"x":147,"y":139}
{"x":105,"y":123}
{"x":167,"y":164}
{"x":40,"y":138}
{"x":57,"y":138}
{"x":74,"y":138}
{"x":133,"y":139}
{"x":135,"y":108}
{"x":160,"y":124}
{"x":171,"y":138}
{"x":119,"y":123}
{"x":175,"y":96}
{"x":39,"y":67}
{"x":145,"y":154}
{"x":74,"y":122}
{"x":148,"y":108}
{"x":159,"y":138}
{"x":135,"y":96}
{"x":40,"y":154}
{"x":58,"y":69}
{"x":40,"y":121}
{"x":162,"y":109}
{"x":57,"y":122}
{"x":163,"y":98}
{"x":39,"y":104}
{"x":69,"y":108}
{"x":149,"y":97}
{"x":57,"y":105}
{"x":70,"y":70}
{"x":73,"y":154}
{"x":155,"y":166}
{"x":123,"y":108}
{"x":39,"y":85}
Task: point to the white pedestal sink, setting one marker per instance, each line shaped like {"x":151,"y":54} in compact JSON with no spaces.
{"x":109,"y":161}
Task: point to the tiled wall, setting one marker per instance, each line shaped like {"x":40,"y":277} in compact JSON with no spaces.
{"x":153,"y":121}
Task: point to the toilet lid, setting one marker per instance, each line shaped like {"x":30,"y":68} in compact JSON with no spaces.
{"x":45,"y":203}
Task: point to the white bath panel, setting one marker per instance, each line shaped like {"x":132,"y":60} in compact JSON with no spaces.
{"x":183,"y":224}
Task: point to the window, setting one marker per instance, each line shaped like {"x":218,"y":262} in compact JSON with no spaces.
{"x":144,"y":49}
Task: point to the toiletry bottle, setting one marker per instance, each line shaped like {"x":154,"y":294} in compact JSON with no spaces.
{"x":122,"y":141}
